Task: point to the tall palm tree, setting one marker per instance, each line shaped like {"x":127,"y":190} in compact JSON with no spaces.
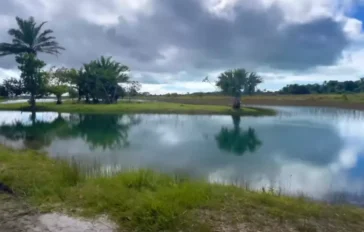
{"x":29,"y":38}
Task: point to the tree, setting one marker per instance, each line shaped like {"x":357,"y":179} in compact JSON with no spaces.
{"x":233,"y":82}
{"x":3,"y":92}
{"x":252,"y":82}
{"x":33,"y":79}
{"x":133,"y":88}
{"x":13,"y":86}
{"x":100,"y":79}
{"x":58,"y":82}
{"x":72,"y":93}
{"x":27,"y":40}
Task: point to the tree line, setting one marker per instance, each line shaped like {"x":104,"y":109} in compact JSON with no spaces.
{"x":328,"y":87}
{"x":100,"y":80}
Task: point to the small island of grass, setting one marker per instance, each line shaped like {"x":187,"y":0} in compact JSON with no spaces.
{"x":140,"y":107}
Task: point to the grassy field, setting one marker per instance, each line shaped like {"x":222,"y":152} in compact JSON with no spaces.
{"x":150,"y":201}
{"x":139,"y":107}
{"x":349,"y":101}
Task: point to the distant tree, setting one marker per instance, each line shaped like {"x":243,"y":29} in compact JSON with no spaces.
{"x":72,"y":93}
{"x":234,"y":82}
{"x":252,"y":82}
{"x":13,"y":86}
{"x":59,"y":80}
{"x":133,"y":88}
{"x":327,"y":87}
{"x":3,"y":92}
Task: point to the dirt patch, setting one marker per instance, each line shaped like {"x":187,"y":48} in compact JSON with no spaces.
{"x":17,"y":216}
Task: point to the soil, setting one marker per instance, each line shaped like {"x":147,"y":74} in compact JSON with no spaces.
{"x":17,"y":216}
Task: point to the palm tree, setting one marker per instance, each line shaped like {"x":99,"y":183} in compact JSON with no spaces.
{"x":29,"y":38}
{"x":252,"y":81}
{"x":232,"y":82}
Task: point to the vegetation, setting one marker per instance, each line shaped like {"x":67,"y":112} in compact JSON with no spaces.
{"x":149,"y":201}
{"x":98,"y":80}
{"x":138,"y":107}
{"x":28,"y":40}
{"x":234,"y":82}
{"x":328,"y":87}
{"x":57,"y":82}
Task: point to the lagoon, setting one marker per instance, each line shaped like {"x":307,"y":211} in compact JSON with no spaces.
{"x":316,"y":152}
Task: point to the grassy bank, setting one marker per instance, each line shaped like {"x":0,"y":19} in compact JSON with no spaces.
{"x":149,"y":201}
{"x":347,"y":101}
{"x":138,"y":107}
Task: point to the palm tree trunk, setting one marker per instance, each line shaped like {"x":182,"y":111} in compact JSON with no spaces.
{"x":59,"y":99}
{"x":32,"y":102}
{"x":236,"y":102}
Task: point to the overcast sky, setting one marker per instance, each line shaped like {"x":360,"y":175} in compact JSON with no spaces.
{"x":171,"y":45}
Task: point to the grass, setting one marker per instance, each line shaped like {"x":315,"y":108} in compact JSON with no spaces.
{"x":139,"y":107}
{"x":350,"y":101}
{"x":149,"y":201}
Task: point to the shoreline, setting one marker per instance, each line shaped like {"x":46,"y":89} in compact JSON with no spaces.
{"x":145,"y":200}
{"x":266,"y":101}
{"x":138,"y":107}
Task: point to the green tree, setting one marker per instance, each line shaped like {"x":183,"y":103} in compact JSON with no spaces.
{"x":100,"y":80}
{"x":3,"y":92}
{"x":27,"y":40}
{"x":232,"y":82}
{"x":58,"y":82}
{"x":72,"y":93}
{"x":252,"y":82}
{"x":133,"y":88}
{"x":34,"y":80}
{"x":13,"y":86}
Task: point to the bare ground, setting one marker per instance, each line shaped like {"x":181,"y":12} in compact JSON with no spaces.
{"x":17,"y":216}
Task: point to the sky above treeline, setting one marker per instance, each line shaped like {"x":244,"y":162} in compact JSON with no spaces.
{"x":171,"y":45}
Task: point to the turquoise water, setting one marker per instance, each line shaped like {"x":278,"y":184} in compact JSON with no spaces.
{"x":318,"y":152}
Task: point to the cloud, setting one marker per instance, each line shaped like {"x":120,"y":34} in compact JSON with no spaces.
{"x":166,"y":42}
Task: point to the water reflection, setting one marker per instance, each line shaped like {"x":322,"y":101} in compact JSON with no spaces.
{"x":99,"y":131}
{"x":316,"y":152}
{"x":237,"y":140}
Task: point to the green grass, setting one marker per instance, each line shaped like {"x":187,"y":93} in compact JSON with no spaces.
{"x":135,"y":107}
{"x":348,"y":97}
{"x":149,"y":201}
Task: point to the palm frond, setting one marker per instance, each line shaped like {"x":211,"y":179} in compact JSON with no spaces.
{"x":8,"y":49}
{"x":29,"y":38}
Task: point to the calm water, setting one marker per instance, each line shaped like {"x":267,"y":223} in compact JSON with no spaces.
{"x":318,"y":152}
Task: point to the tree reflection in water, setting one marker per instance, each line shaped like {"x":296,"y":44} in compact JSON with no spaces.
{"x":237,"y":141}
{"x":99,"y":131}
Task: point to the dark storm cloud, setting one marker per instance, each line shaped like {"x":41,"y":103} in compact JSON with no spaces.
{"x":203,"y":41}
